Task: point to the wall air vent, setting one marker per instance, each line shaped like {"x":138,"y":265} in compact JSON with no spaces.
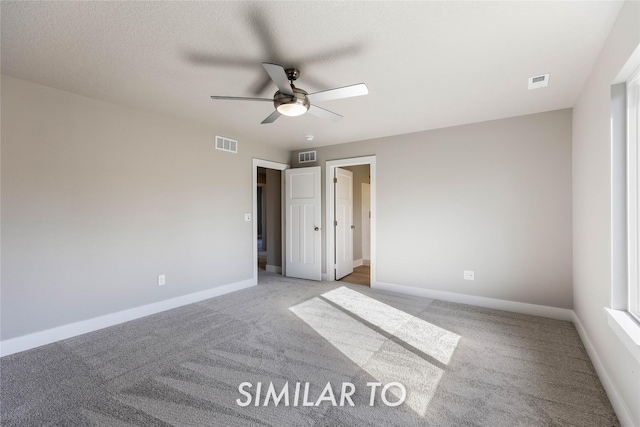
{"x":226,"y":144}
{"x":307,"y":157}
{"x":536,"y":82}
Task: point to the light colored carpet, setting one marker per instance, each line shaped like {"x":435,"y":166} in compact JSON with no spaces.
{"x":461,"y":365}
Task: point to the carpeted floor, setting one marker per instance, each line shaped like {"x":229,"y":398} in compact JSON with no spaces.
{"x":460,"y":365}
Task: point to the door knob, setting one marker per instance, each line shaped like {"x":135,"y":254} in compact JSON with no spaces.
{"x":353,"y":226}
{"x":316,"y":228}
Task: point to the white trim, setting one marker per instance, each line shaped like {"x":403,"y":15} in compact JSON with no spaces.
{"x":624,"y":416}
{"x":618,"y":188}
{"x":626,"y":329}
{"x":326,"y":278}
{"x":366,"y":262}
{"x":329,"y":212}
{"x":357,"y":262}
{"x":273,"y":269}
{"x":633,"y":183}
{"x":496,"y":304}
{"x":269,"y":165}
{"x":37,"y":339}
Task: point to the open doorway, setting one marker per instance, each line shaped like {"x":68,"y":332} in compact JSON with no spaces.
{"x":269,"y":220}
{"x":359,"y":232}
{"x":362,"y":252}
{"x":267,"y":238}
{"x":261,"y":203}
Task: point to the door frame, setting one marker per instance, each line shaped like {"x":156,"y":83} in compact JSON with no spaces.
{"x":330,"y":214}
{"x":366,"y":220}
{"x":269,"y":165}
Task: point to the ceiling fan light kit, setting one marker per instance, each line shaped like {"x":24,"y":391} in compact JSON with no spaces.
{"x":292,"y":101}
{"x":292,"y":105}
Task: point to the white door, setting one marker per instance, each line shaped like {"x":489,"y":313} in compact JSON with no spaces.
{"x":344,"y":222}
{"x":366,"y":223}
{"x":302,"y":222}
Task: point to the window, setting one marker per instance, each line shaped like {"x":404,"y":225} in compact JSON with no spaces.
{"x":633,"y":192}
{"x":623,"y":314}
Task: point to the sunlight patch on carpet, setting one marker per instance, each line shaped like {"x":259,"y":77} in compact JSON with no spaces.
{"x":382,"y":358}
{"x":420,"y":334}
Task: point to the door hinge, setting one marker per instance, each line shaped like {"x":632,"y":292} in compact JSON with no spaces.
{"x":335,"y":223}
{"x":335,"y":180}
{"x":335,"y":266}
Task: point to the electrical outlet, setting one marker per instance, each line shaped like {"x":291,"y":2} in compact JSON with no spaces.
{"x":469,"y":275}
{"x":161,"y":280}
{"x":247,"y":217}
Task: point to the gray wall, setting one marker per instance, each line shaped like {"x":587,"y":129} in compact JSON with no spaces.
{"x":592,"y":208}
{"x":493,"y":197}
{"x":98,"y":200}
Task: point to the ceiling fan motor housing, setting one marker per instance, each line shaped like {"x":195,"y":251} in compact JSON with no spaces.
{"x":292,"y":73}
{"x":292,"y":105}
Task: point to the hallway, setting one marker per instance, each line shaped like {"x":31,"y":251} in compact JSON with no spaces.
{"x":361,"y":276}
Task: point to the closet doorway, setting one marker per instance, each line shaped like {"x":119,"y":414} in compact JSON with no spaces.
{"x":267,"y":217}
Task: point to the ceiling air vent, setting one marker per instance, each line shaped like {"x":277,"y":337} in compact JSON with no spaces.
{"x":536,"y":82}
{"x":226,"y":144}
{"x":307,"y":157}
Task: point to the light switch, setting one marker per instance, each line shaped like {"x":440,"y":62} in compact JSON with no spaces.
{"x":247,"y":217}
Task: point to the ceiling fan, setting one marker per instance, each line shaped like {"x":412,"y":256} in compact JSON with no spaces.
{"x":292,"y":101}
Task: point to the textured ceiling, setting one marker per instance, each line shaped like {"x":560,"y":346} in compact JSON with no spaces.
{"x":427,"y":64}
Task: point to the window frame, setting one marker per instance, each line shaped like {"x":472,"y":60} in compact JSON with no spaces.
{"x":633,"y":193}
{"x":625,"y":269}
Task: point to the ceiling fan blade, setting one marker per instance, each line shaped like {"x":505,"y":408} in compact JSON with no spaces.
{"x":264,"y":33}
{"x":271,"y":118}
{"x":324,"y":114}
{"x":331,"y":55}
{"x":261,"y":85}
{"x":339,"y":93}
{"x":200,"y":58}
{"x":279,"y":77}
{"x":240,"y":98}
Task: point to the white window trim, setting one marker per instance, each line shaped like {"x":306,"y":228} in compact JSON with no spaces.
{"x":627,"y":330}
{"x":625,"y":326}
{"x":633,"y":182}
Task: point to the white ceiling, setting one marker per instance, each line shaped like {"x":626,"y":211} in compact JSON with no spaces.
{"x":427,"y":64}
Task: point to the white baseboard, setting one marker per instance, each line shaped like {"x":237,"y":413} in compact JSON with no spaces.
{"x":273,"y":269}
{"x":37,"y":339}
{"x":357,"y":262}
{"x":327,"y":278}
{"x":618,"y":404}
{"x":497,"y":304}
{"x":366,"y":262}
